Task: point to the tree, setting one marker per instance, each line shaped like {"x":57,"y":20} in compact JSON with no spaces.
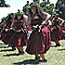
{"x":60,"y":6}
{"x":43,"y":4}
{"x":48,"y":1}
{"x":3,"y":3}
{"x":63,"y":1}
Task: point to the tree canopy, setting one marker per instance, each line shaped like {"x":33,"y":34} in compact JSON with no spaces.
{"x":3,"y":3}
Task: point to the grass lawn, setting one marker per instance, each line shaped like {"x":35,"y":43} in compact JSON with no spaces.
{"x":55,"y":56}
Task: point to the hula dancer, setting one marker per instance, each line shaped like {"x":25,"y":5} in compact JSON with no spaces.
{"x":39,"y":41}
{"x":19,"y":36}
{"x":56,"y":31}
{"x":2,"y":28}
{"x":7,"y":36}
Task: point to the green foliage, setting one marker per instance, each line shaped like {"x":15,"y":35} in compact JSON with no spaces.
{"x":61,"y":8}
{"x":42,"y":4}
{"x":19,"y":13}
{"x":3,"y":3}
{"x":48,"y":1}
{"x":49,"y":8}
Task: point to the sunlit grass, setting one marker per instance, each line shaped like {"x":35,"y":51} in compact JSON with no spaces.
{"x":55,"y":56}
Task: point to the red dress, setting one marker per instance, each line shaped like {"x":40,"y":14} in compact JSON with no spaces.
{"x":39,"y":42}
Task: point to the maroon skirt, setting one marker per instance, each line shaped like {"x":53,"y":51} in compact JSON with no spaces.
{"x":39,"y":42}
{"x":7,"y":36}
{"x":3,"y":35}
{"x":63,"y":31}
{"x":56,"y":34}
{"x":18,"y":39}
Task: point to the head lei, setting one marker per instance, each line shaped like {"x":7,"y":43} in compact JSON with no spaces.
{"x":20,"y":14}
{"x":10,"y":14}
{"x":35,"y":5}
{"x":4,"y":18}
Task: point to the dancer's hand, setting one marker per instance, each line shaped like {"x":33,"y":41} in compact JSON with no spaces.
{"x":11,"y":28}
{"x":6,"y":30}
{"x":34,"y":26}
{"x":43,"y":22}
{"x":18,"y":30}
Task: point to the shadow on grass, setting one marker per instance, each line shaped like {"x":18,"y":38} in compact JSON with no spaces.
{"x":11,"y":55}
{"x":61,"y":49}
{"x":6,"y":50}
{"x":26,"y":62}
{"x":15,"y":54}
{"x":3,"y":47}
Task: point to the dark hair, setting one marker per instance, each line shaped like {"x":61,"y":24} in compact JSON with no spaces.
{"x":27,"y":1}
{"x":38,"y":12}
{"x":19,"y":15}
{"x":3,"y":20}
{"x":9,"y":16}
{"x":56,"y":21}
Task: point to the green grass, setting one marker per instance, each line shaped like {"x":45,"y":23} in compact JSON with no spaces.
{"x":55,"y":56}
